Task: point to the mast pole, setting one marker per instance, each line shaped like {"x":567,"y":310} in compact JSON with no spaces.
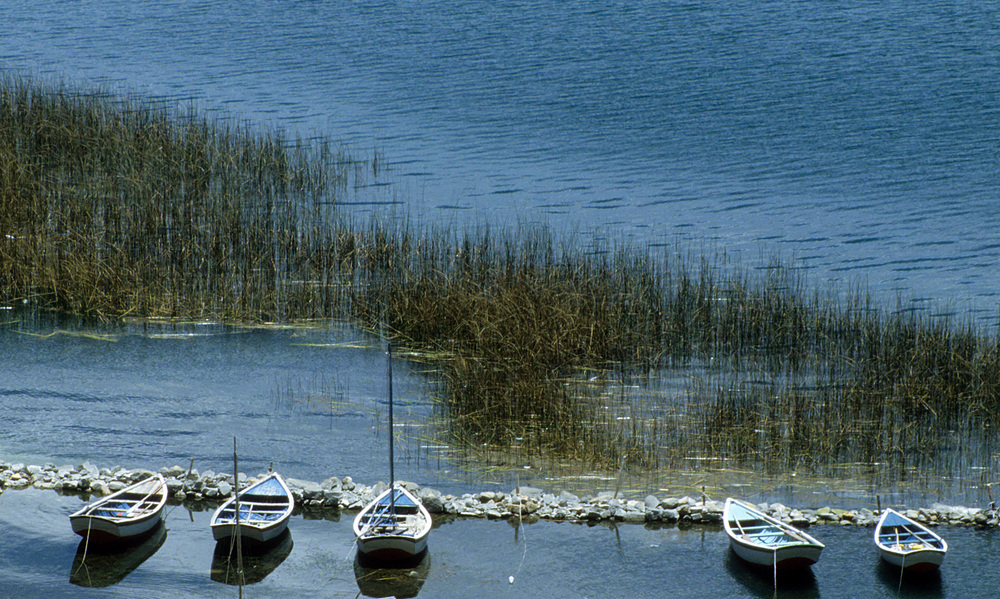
{"x":236,"y":518}
{"x":392,"y":461}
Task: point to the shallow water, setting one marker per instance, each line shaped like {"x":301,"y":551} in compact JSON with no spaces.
{"x":149,"y":395}
{"x":312,"y":403}
{"x":41,"y":557}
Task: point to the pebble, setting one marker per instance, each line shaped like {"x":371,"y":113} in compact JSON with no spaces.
{"x":524,"y":503}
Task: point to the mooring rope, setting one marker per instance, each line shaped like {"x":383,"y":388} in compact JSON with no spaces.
{"x":774,"y":560}
{"x":902,"y":566}
{"x":86,"y":544}
{"x":520,"y":527}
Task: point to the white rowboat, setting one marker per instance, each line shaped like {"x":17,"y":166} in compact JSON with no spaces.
{"x":265,"y":509}
{"x":907,"y":544}
{"x":123,"y":516}
{"x":765,"y":541}
{"x":393,"y":527}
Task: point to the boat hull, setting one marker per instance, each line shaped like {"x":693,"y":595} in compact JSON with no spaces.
{"x":914,"y":561}
{"x":104,"y":530}
{"x":764,"y":541}
{"x":784,"y":558}
{"x":904,"y":543}
{"x":388,"y":548}
{"x":250,"y":533}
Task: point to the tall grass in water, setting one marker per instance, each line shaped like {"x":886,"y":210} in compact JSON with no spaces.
{"x":539,"y":342}
{"x":891,"y":389}
{"x":112,"y":205}
{"x":119,"y":206}
{"x":514,"y":319}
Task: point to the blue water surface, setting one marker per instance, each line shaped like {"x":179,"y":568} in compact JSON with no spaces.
{"x":858,"y":139}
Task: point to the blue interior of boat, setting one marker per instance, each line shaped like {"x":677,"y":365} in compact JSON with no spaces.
{"x":906,"y":537}
{"x":114,"y":509}
{"x":402,"y":500}
{"x":758,"y":530}
{"x":248,"y":515}
{"x":270,"y":486}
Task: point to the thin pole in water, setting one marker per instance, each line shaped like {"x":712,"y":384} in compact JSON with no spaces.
{"x":392,"y":461}
{"x":236,"y":517}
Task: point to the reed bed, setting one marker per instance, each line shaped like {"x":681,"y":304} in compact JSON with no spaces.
{"x":114,"y":206}
{"x":541,"y":345}
{"x":120,"y":206}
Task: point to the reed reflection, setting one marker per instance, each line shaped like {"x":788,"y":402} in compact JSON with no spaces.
{"x":923,"y":585}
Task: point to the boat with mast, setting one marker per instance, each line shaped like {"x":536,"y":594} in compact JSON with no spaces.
{"x":395,"y":525}
{"x":263,"y":509}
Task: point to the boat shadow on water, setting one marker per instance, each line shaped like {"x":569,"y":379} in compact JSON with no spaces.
{"x":259,"y":559}
{"x":760,"y":581}
{"x":925,"y":585}
{"x":103,"y":565}
{"x":399,"y":578}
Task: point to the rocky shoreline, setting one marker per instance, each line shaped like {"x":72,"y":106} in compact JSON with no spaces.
{"x":525,"y":504}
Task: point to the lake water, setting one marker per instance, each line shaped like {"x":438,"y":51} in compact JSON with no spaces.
{"x":860,"y":140}
{"x":40,"y":557}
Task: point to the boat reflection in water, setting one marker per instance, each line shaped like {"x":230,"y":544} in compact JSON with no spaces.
{"x":398,"y":578}
{"x":901,"y":583}
{"x":259,"y":560}
{"x":104,"y":565}
{"x":760,"y":581}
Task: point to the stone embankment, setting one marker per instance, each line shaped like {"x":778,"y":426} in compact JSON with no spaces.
{"x":524,"y":503}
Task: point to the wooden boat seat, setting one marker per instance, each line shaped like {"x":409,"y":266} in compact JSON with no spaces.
{"x":909,"y":541}
{"x":254,"y":512}
{"x":253,"y":505}
{"x":770,"y":535}
{"x":401,"y":525}
{"x":771,"y":539}
{"x":117,"y":509}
